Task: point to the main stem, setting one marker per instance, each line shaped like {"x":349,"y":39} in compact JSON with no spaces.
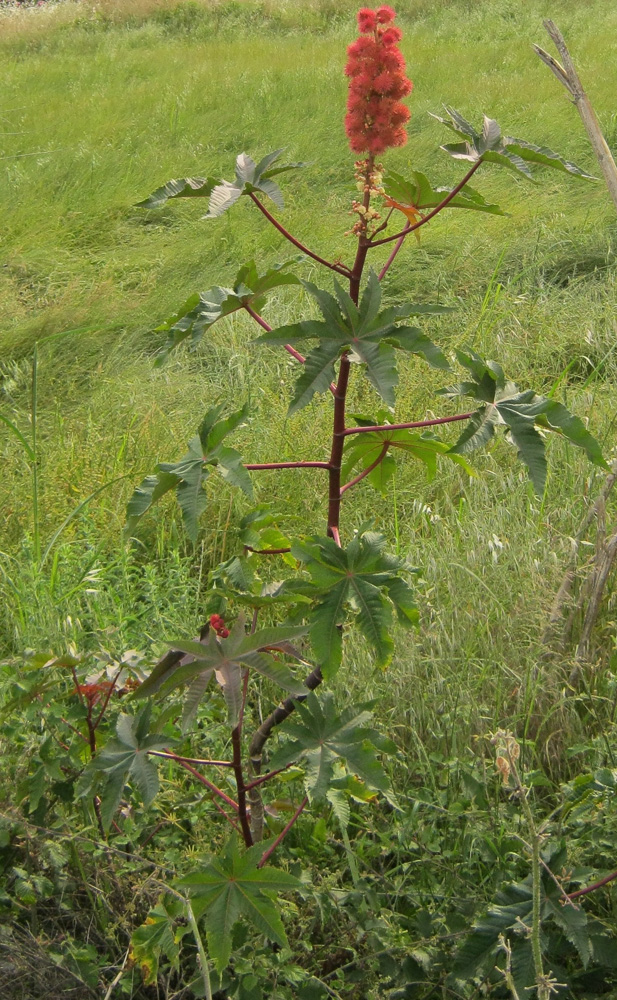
{"x":340,"y":394}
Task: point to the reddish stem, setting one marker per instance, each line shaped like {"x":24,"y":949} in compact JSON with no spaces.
{"x":368,"y":470}
{"x":431,"y":215}
{"x":266,"y":326}
{"x":107,"y":697}
{"x":188,"y":760}
{"x":390,"y":259}
{"x":592,"y":888}
{"x":264,"y":777}
{"x":208,"y":784}
{"x":236,"y":742}
{"x":283,"y":832}
{"x":402,"y":427}
{"x":338,"y":442}
{"x":256,"y":467}
{"x":339,"y":268}
{"x":227,"y":816}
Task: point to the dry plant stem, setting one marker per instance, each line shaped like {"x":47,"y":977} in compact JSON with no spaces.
{"x":236,"y":742}
{"x":283,"y":833}
{"x":431,"y":215}
{"x":592,"y":888}
{"x":563,"y":594}
{"x":568,"y":76}
{"x":401,"y":427}
{"x":339,"y":268}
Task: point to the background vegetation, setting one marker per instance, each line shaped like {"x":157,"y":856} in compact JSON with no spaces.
{"x":102,"y":102}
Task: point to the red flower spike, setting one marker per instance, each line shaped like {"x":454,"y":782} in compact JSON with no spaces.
{"x":377,"y":82}
{"x":385,"y":14}
{"x":367,"y":20}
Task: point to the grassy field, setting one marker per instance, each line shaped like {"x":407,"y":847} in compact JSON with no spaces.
{"x":101,"y":104}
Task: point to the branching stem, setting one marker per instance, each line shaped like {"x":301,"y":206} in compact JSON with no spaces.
{"x":283,"y":833}
{"x":365,"y":472}
{"x":339,"y":268}
{"x":431,"y":215}
{"x":434,"y":422}
{"x":258,"y":466}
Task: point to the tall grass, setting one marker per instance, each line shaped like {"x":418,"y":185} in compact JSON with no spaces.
{"x":102,"y":103}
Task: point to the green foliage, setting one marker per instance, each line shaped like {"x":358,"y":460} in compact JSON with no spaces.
{"x":365,"y":449}
{"x":250,"y":177}
{"x":201,"y":311}
{"x":126,"y":759}
{"x":233,"y":886}
{"x":518,"y":411}
{"x":159,"y":937}
{"x":489,"y":146}
{"x":321,"y":737}
{"x":188,"y":476}
{"x":418,"y":192}
{"x":227,"y":659}
{"x":368,"y":334}
{"x":363,"y":577}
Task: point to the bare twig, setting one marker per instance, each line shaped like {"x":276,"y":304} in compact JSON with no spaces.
{"x":569,"y":78}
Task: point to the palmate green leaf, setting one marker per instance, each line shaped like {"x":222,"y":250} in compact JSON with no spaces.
{"x":491,"y":146}
{"x":125,"y":759}
{"x":520,"y":413}
{"x":362,"y":579}
{"x":366,"y":448}
{"x":200,"y":312}
{"x":159,"y":935}
{"x":228,"y":659}
{"x":367,"y":333}
{"x":188,"y":476}
{"x":321,"y":739}
{"x":231,"y":888}
{"x":186,"y":187}
{"x":250,"y":177}
{"x":416,"y":191}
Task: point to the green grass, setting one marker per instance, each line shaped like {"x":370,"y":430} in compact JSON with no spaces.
{"x":99,"y":107}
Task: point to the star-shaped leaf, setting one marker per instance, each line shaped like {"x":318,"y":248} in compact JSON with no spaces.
{"x":321,"y":738}
{"x":200,"y":312}
{"x":227,"y":660}
{"x":361,"y":578}
{"x":367,"y":334}
{"x":250,"y":177}
{"x":415,"y":193}
{"x":521,"y":412}
{"x":366,"y":448}
{"x":490,"y":146}
{"x":232,"y":887}
{"x":185,"y":187}
{"x":189,"y":475}
{"x":125,"y":759}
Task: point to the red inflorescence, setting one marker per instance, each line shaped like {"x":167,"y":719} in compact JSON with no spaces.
{"x":92,"y":693}
{"x":376,"y":69}
{"x":218,"y":624}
